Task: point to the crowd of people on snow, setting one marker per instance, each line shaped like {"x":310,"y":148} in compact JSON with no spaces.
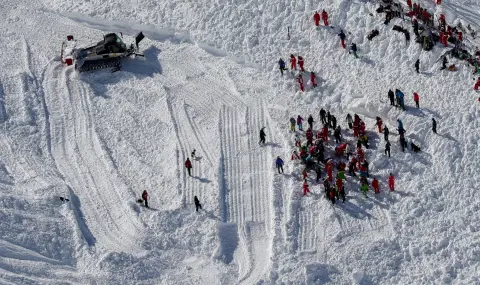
{"x":425,"y":31}
{"x":312,"y":152}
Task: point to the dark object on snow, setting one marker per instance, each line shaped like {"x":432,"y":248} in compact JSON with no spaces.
{"x":106,"y":53}
{"x":372,"y":34}
{"x":414,"y":147}
{"x":402,"y":30}
{"x":64,"y":199}
{"x":140,"y":201}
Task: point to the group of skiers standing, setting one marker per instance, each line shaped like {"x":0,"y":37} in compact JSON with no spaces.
{"x":311,"y":154}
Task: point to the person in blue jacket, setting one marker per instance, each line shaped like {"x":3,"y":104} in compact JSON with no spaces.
{"x":279,"y":164}
{"x":400,"y":98}
{"x":281,"y":66}
{"x":400,"y":124}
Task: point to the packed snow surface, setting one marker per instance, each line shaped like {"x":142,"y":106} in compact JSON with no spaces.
{"x":209,"y":81}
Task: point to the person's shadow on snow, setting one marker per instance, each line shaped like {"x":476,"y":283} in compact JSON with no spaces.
{"x":272,"y":144}
{"x":203,"y":180}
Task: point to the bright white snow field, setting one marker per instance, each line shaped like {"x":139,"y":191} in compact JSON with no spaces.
{"x":209,"y":81}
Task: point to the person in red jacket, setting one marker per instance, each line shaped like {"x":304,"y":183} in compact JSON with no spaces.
{"x":293,"y":62}
{"x":313,"y":79}
{"x":477,"y":85}
{"x":329,"y":169}
{"x":300,"y":82}
{"x":145,"y":197}
{"x":375,"y":185}
{"x":305,"y":188}
{"x":300,"y":63}
{"x":409,"y":3}
{"x":460,"y":36}
{"x":188,"y":166}
{"x":316,"y":18}
{"x":391,"y":182}
{"x":416,"y":98}
{"x":325,"y":133}
{"x":325,"y":18}
{"x":379,"y":124}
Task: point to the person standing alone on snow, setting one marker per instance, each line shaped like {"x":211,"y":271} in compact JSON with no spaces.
{"x":391,"y":182}
{"x":197,"y":203}
{"x":188,"y":166}
{"x":416,"y":99}
{"x":145,"y":198}
{"x":386,"y":131}
{"x":310,"y":121}
{"x":353,"y":48}
{"x":279,"y":164}
{"x":313,"y":79}
{"x":281,"y":65}
{"x":262,"y":136}
{"x":417,"y":65}
{"x":434,"y":125}
{"x":316,"y":18}
{"x":300,"y":82}
{"x":342,"y":38}
{"x":387,"y":148}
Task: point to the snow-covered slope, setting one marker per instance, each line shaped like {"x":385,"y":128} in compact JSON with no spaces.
{"x":209,"y":82}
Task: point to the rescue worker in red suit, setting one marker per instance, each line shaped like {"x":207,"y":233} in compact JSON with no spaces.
{"x":416,"y":98}
{"x":300,"y":63}
{"x":325,"y":18}
{"x":325,"y":134}
{"x":391,"y":182}
{"x":477,"y":85}
{"x":305,"y":188}
{"x":339,"y":183}
{"x":329,"y":169}
{"x":313,"y":79}
{"x":188,"y":166}
{"x":439,"y":2}
{"x":409,"y":3}
{"x":293,"y":62}
{"x":443,"y":39}
{"x":460,"y":36}
{"x":375,"y":185}
{"x":355,"y":130}
{"x":379,"y":124}
{"x":309,"y":135}
{"x":145,"y":197}
{"x":316,"y":18}
{"x":300,"y":82}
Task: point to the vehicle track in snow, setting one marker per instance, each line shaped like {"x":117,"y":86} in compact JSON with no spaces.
{"x":81,"y":160}
{"x":247,"y":188}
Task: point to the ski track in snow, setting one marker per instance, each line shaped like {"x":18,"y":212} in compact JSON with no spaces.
{"x":80,"y":158}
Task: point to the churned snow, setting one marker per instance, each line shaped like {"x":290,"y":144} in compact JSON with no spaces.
{"x":209,"y":81}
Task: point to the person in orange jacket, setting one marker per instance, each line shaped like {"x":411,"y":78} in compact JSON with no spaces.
{"x":293,"y":62}
{"x":375,"y":185}
{"x":391,"y":182}
{"x":300,"y":63}
{"x":416,"y":98}
{"x":188,"y":166}
{"x":316,"y":18}
{"x":325,"y":17}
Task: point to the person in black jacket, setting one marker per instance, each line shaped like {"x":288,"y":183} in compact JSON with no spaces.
{"x":322,"y":116}
{"x":385,"y":133}
{"x":353,"y":48}
{"x":417,"y":65}
{"x":391,"y":96}
{"x":387,"y":148}
{"x":310,"y":121}
{"x":262,"y":136}
{"x":197,"y":203}
{"x":434,"y":125}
